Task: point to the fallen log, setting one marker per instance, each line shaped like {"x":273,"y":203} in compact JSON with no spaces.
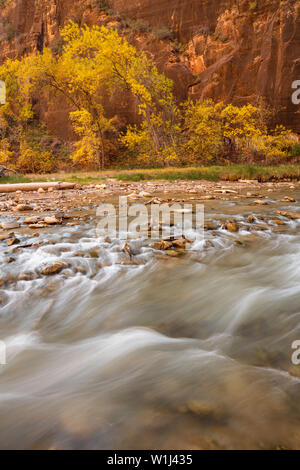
{"x":11,"y":188}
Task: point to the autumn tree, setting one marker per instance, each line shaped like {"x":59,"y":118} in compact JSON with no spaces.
{"x":210,"y":128}
{"x":15,"y":114}
{"x":96,"y":60}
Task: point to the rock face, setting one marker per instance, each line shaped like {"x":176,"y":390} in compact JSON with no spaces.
{"x":237,"y":51}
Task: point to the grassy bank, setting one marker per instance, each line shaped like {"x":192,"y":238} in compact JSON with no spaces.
{"x":216,"y":173}
{"x":211,"y":173}
{"x":15,"y":179}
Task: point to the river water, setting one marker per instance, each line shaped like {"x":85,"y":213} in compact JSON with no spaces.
{"x":156,"y":353}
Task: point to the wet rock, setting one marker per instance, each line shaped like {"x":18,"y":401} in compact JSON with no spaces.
{"x":204,"y":410}
{"x":13,"y":241}
{"x":288,"y":199}
{"x":144,"y":194}
{"x":10,"y":260}
{"x":251,"y":219}
{"x":210,"y":226}
{"x":278,"y":222}
{"x":34,"y":226}
{"x":289,"y":215}
{"x":31,"y":220}
{"x":94,"y":253}
{"x":231,"y":226}
{"x":26,"y":277}
{"x":164,"y":245}
{"x":23,"y":208}
{"x":175,"y":253}
{"x":133,"y":196}
{"x":52,"y":221}
{"x":61,"y":215}
{"x":41,"y":191}
{"x":181,"y":243}
{"x":260,"y":202}
{"x":54,"y":268}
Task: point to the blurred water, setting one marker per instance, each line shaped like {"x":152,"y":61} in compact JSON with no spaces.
{"x":180,"y":353}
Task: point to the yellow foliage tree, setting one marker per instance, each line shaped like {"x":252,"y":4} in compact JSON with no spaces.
{"x":97,"y":59}
{"x":213,"y":127}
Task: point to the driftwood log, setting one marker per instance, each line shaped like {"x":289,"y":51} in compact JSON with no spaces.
{"x":10,"y":188}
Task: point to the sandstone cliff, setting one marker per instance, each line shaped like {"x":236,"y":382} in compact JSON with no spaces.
{"x":235,"y":50}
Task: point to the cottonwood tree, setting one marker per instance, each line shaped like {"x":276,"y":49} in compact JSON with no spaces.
{"x":95,"y":60}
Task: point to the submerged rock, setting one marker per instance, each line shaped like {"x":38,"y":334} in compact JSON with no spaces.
{"x":203,"y":409}
{"x":175,"y":253}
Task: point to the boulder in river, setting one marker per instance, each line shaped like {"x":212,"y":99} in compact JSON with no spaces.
{"x":54,"y":268}
{"x":231,"y":226}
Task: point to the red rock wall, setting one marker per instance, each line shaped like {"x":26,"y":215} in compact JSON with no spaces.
{"x":238,"y":55}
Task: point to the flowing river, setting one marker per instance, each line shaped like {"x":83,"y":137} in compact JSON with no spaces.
{"x":156,"y":353}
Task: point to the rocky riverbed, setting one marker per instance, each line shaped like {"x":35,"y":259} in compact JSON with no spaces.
{"x":145,"y":343}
